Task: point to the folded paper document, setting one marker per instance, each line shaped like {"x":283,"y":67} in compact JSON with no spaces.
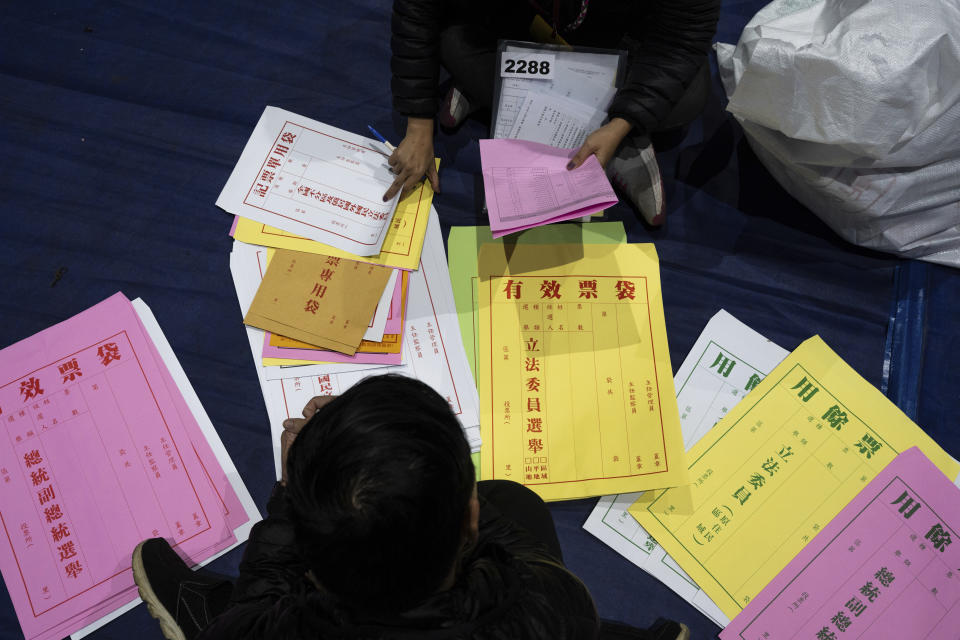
{"x":527,"y":184}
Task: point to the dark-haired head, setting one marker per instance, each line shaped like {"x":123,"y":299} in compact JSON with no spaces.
{"x":379,"y":481}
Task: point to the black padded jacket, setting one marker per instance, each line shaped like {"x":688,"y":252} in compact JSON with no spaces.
{"x":508,"y":588}
{"x":667,"y":42}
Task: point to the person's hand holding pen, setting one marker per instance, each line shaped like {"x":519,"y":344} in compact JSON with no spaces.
{"x":412,"y":159}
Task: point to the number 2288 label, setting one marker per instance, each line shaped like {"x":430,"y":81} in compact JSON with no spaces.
{"x":533,"y":66}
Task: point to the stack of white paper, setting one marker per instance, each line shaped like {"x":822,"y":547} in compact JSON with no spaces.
{"x":563,"y":110}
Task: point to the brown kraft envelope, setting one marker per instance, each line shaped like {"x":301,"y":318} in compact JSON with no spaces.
{"x":323,"y":300}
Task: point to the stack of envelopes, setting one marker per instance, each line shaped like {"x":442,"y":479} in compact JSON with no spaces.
{"x":816,"y":509}
{"x":334,"y":283}
{"x":107,"y":444}
{"x":807,"y":504}
{"x":324,"y":304}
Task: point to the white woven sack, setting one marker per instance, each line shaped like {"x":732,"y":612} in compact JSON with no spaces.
{"x":854,"y":107}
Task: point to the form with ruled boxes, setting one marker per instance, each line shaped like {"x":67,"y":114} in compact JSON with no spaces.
{"x":313,"y":180}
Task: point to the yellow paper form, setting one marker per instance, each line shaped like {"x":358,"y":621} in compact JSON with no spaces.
{"x":575,"y":381}
{"x":775,"y":470}
{"x":401,"y":246}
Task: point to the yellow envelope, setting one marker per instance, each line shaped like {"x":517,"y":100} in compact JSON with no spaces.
{"x":389,"y":339}
{"x":401,"y":246}
{"x":575,"y":380}
{"x":775,"y":470}
{"x":320,"y":299}
{"x":390,"y":344}
{"x":260,"y":321}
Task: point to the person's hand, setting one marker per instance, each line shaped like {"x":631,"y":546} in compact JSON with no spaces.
{"x":413,"y":159}
{"x":603,"y":143}
{"x":292,"y":426}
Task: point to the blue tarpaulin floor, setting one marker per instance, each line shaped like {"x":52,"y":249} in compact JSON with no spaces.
{"x":121,"y":121}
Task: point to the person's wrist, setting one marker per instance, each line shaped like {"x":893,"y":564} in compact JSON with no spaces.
{"x":619,"y":124}
{"x":420,"y":126}
{"x":619,"y":127}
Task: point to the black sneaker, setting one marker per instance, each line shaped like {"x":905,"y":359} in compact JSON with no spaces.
{"x":183,"y":601}
{"x":662,"y":629}
{"x":668,"y":630}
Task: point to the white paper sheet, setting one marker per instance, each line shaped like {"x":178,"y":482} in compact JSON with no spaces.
{"x":556,"y":121}
{"x":598,"y":67}
{"x":585,"y":78}
{"x":313,"y":180}
{"x":511,"y":99}
{"x":433,"y":347}
{"x":374,"y":332}
{"x":727,"y":360}
{"x":307,"y":370}
{"x":155,"y":333}
{"x":569,"y":84}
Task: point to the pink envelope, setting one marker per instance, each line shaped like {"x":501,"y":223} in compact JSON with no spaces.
{"x":233,"y":511}
{"x":886,"y":566}
{"x":100,"y":458}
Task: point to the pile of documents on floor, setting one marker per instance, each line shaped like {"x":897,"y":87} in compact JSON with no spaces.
{"x":779,"y":493}
{"x":806,"y":505}
{"x":815,"y":508}
{"x":106,"y":444}
{"x":334,"y":283}
{"x":791,"y":499}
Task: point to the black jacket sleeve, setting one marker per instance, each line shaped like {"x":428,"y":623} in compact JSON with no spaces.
{"x":415,"y":60}
{"x":272,"y":580}
{"x":665,"y":54}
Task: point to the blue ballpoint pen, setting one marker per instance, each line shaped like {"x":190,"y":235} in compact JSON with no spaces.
{"x":379,"y":137}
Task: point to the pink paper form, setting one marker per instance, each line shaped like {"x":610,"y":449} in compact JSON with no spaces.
{"x":97,"y":458}
{"x":229,"y":502}
{"x":887,"y":566}
{"x":527,"y":184}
